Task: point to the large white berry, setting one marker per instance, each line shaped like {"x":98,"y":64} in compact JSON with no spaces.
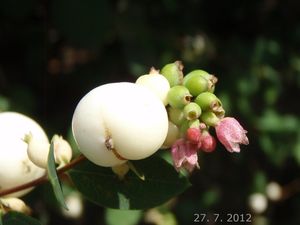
{"x":15,"y":166}
{"x":119,"y":121}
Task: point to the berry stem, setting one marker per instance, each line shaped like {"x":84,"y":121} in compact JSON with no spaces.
{"x":42,"y":179}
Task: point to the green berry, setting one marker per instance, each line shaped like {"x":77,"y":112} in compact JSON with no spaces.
{"x":209,"y":118}
{"x":195,"y":84}
{"x":179,"y":96}
{"x":192,"y":111}
{"x":183,"y":128}
{"x":173,"y":73}
{"x":176,"y":116}
{"x":211,"y":80}
{"x":208,"y":101}
{"x":194,"y":123}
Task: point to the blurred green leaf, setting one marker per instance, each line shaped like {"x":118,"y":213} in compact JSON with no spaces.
{"x":296,"y":150}
{"x":101,"y":186}
{"x":4,"y":104}
{"x":1,"y":215}
{"x":248,"y":85}
{"x":54,"y":179}
{"x":295,"y":63}
{"x":122,"y":217}
{"x":271,"y":121}
{"x":168,"y":219}
{"x":260,"y":182}
{"x":244,"y":106}
{"x":266,"y":144}
{"x":15,"y":218}
{"x":85,"y":23}
{"x":276,"y":151}
{"x":273,"y":47}
{"x":271,"y":95}
{"x":160,"y":216}
{"x":210,"y":197}
{"x":138,"y":69}
{"x":226,"y":101}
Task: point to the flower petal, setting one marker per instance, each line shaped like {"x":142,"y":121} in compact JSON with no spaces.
{"x":230,"y":133}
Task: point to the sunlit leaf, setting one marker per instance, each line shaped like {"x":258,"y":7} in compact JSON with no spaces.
{"x":54,"y":180}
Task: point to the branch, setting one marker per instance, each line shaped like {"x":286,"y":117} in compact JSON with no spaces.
{"x":42,"y":179}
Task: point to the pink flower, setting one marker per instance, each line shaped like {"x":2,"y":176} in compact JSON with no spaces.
{"x":184,"y":154}
{"x":207,"y":142}
{"x":231,"y":134}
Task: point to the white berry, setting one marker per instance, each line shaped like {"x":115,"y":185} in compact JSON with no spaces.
{"x":15,"y":166}
{"x":38,"y":150}
{"x":258,"y":202}
{"x":156,"y":83}
{"x":119,"y":121}
{"x":14,"y":204}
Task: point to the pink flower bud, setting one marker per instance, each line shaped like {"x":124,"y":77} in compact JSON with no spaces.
{"x":193,"y":135}
{"x":231,"y":134}
{"x":184,"y":154}
{"x":208,"y":142}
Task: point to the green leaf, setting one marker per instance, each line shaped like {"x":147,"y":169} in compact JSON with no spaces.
{"x":16,"y":218}
{"x":101,"y":186}
{"x":260,"y":182}
{"x":122,"y":217}
{"x":54,"y":180}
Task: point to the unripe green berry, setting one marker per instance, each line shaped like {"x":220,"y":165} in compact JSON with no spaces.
{"x":179,"y":96}
{"x":208,"y":101}
{"x":192,"y":111}
{"x":173,"y":73}
{"x":212,"y":80}
{"x":195,"y":83}
{"x":202,"y":73}
{"x":176,"y":116}
{"x":194,"y":123}
{"x":183,"y":128}
{"x":209,"y":118}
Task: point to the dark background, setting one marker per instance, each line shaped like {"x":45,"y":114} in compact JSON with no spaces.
{"x":53,"y":52}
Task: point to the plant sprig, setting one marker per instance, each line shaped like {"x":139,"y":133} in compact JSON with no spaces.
{"x":42,"y":179}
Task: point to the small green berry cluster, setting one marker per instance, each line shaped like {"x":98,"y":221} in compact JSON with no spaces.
{"x":191,"y":98}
